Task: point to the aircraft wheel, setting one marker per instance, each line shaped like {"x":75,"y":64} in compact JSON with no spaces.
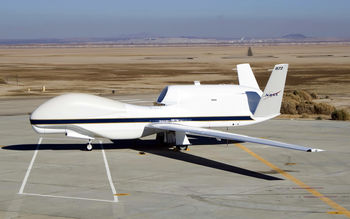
{"x":160,"y":139}
{"x":89,"y":147}
{"x":182,"y":147}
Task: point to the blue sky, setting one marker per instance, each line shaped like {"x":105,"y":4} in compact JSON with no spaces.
{"x":204,"y":18}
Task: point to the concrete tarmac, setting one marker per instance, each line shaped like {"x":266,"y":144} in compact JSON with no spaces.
{"x":214,"y":179}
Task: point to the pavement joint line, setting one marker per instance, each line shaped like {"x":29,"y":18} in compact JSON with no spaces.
{"x":109,"y":176}
{"x":30,"y":167}
{"x":67,"y":197}
{"x":340,"y":209}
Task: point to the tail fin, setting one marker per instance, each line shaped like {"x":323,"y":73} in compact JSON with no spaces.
{"x":246,"y":76}
{"x":271,"y":100}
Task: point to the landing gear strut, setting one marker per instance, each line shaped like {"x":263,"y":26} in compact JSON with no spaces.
{"x":89,"y":146}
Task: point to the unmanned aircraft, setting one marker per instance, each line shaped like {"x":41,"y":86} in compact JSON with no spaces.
{"x":180,"y":110}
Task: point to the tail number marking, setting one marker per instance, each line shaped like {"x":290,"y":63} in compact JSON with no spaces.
{"x":279,"y":68}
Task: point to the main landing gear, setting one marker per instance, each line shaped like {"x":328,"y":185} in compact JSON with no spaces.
{"x":181,"y":147}
{"x":177,"y":139}
{"x":89,"y":146}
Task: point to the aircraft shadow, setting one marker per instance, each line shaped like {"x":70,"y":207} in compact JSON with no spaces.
{"x":152,"y":147}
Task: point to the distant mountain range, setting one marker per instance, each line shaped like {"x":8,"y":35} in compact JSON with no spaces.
{"x":150,"y":39}
{"x":295,"y":36}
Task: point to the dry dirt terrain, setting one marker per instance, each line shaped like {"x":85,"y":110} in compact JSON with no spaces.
{"x":323,"y":68}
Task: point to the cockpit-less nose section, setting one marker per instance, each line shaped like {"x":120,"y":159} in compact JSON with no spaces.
{"x":178,"y":111}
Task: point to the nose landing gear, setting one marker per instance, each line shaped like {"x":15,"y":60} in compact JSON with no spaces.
{"x":89,"y":146}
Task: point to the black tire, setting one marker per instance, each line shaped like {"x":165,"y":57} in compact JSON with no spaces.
{"x":160,"y":139}
{"x":181,"y":147}
{"x":89,"y":147}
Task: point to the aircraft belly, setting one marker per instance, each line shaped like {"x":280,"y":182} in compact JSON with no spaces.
{"x":117,"y":131}
{"x":49,"y":129}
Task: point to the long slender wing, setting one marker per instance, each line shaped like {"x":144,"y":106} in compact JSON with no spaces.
{"x":228,"y":136}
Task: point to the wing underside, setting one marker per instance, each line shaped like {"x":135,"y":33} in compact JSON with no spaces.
{"x":229,"y":136}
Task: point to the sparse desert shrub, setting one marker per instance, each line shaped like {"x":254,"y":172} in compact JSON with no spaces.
{"x":340,"y":115}
{"x":323,"y":108}
{"x":289,"y":106}
{"x":2,"y":81}
{"x":301,"y":102}
{"x":314,"y":95}
{"x":304,"y":115}
{"x":303,"y":108}
{"x":303,"y":95}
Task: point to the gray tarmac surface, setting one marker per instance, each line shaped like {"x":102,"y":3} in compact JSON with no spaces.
{"x":213,"y":180}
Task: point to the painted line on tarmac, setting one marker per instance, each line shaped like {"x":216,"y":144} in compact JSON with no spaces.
{"x":340,"y":209}
{"x":30,"y":167}
{"x":109,"y":176}
{"x":67,"y":197}
{"x":121,"y":194}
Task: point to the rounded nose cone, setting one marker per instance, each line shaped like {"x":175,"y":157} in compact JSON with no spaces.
{"x":73,"y":106}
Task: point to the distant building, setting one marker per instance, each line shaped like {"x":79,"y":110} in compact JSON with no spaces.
{"x":250,"y":52}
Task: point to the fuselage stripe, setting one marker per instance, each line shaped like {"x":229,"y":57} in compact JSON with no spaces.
{"x":133,"y":120}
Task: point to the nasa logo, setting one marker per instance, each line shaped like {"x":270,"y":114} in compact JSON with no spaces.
{"x":272,"y":94}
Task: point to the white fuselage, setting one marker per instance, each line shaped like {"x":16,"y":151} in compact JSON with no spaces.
{"x":193,"y":105}
{"x":180,"y":110}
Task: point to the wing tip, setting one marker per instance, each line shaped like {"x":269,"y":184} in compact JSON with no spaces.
{"x":314,"y":150}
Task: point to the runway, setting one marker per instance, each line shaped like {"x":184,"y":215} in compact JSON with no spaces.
{"x":54,"y":178}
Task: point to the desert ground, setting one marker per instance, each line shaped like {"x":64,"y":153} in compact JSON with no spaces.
{"x":102,"y":70}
